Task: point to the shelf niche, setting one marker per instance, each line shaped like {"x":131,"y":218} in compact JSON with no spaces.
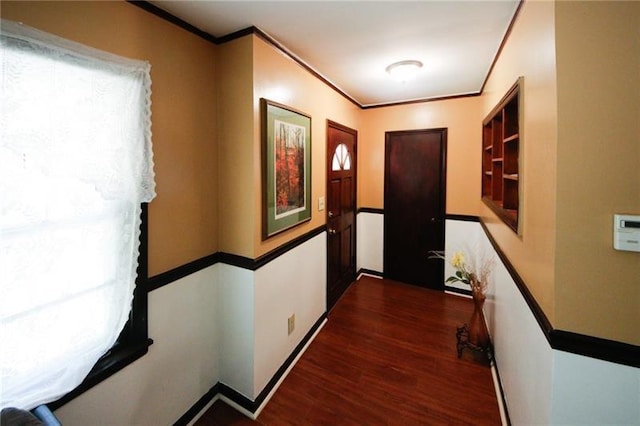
{"x":501,"y":142}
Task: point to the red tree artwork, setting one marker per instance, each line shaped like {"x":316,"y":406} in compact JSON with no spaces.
{"x":289,"y":167}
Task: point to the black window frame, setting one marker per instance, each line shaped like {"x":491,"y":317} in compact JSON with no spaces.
{"x":133,"y":342}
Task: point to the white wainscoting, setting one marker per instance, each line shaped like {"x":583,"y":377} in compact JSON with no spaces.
{"x":588,"y":391}
{"x":541,"y":385}
{"x":462,"y":236}
{"x":255,"y":307}
{"x":181,"y":366}
{"x":544,"y":386}
{"x":228,"y":324}
{"x":221,"y":324}
{"x":235,"y":311}
{"x":522,"y":353}
{"x":294,"y":283}
{"x":370,"y":238}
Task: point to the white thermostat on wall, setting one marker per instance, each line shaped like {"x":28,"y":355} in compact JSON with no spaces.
{"x":626,"y":232}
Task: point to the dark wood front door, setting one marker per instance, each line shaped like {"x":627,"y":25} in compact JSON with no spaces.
{"x":414,"y":206}
{"x":341,"y":210}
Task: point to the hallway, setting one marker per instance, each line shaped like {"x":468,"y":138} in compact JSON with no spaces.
{"x":387,"y":355}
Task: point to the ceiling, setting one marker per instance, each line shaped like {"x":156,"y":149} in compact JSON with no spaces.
{"x":350,"y":43}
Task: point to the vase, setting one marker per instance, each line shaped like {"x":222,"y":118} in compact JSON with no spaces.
{"x":477,"y":329}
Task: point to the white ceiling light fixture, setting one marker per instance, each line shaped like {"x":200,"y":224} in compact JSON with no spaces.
{"x":404,"y":71}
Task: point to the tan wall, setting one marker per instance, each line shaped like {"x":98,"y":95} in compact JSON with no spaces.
{"x":462,"y":117}
{"x":236,"y":145}
{"x":530,"y":52}
{"x":573,"y":128}
{"x":598,"y":51}
{"x":280,"y":79}
{"x":182,"y":219}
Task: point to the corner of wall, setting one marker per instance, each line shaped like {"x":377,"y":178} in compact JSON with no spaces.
{"x":236,"y":168}
{"x":237,"y":320}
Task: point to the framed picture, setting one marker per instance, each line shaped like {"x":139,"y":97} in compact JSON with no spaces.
{"x":286,"y":167}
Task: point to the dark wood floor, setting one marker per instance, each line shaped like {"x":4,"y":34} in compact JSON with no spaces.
{"x":387,"y":355}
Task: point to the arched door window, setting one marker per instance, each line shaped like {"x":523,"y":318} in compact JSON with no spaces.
{"x":341,"y":158}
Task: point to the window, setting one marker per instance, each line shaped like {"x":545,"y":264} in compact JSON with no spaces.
{"x":75,"y":170}
{"x":341,"y":158}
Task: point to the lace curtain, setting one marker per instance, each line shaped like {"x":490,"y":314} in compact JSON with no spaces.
{"x":75,"y":165}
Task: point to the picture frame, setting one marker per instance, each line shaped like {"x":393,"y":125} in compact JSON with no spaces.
{"x":286,"y":167}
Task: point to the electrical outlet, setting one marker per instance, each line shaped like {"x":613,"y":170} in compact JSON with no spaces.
{"x":291,"y":323}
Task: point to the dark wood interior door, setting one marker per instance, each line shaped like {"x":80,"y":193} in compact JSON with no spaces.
{"x":341,"y":210}
{"x":414,"y":206}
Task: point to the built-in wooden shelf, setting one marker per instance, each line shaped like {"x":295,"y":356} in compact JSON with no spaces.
{"x":511,"y":138}
{"x":501,"y":157}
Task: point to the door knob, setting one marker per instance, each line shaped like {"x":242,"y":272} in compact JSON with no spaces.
{"x":332,"y":231}
{"x":330,"y":213}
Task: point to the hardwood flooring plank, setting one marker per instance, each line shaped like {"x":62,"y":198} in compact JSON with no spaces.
{"x":387,"y":356}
